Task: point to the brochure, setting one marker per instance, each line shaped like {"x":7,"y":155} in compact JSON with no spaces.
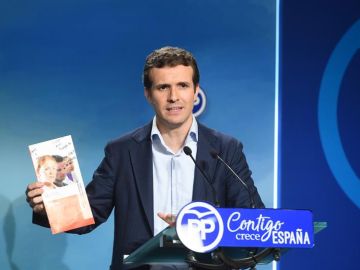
{"x":64,"y":196}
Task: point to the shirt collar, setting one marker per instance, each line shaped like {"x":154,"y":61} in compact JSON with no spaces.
{"x":157,"y":139}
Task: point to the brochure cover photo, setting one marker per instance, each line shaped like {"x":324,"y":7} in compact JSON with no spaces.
{"x":64,"y":196}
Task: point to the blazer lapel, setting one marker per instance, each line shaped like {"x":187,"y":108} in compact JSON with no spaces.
{"x":141,"y":159}
{"x":206,"y":142}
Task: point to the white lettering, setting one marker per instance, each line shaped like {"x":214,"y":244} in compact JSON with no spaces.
{"x":306,"y":239}
{"x":233,"y":217}
{"x":267,"y":229}
{"x":275,"y":238}
{"x":290,"y":237}
{"x":299,"y":236}
{"x":247,"y":236}
{"x":203,"y":226}
{"x":262,"y":223}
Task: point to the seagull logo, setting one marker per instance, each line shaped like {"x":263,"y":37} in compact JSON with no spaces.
{"x":200,"y":103}
{"x":199,"y":214}
{"x":200,"y":227}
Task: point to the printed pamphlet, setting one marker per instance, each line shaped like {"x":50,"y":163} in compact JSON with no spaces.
{"x":64,"y":195}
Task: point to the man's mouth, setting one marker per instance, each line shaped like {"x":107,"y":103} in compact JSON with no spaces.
{"x":174,"y":109}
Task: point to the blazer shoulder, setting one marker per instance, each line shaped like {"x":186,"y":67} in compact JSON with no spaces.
{"x":217,"y":137}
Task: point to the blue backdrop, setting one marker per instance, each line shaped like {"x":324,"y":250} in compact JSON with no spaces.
{"x":320,"y":112}
{"x":74,"y":67}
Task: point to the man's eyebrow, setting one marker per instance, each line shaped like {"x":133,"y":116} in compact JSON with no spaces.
{"x":183,"y":82}
{"x":161,"y":85}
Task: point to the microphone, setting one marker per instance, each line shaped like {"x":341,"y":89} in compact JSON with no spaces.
{"x":188,"y":152}
{"x":215,"y":155}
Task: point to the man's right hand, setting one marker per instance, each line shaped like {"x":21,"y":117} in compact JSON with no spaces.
{"x":33,"y":197}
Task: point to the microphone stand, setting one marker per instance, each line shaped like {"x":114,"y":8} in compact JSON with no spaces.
{"x":188,"y":152}
{"x":221,"y":261}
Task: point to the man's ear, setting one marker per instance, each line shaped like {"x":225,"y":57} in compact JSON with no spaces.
{"x":147,"y":95}
{"x":197,"y":89}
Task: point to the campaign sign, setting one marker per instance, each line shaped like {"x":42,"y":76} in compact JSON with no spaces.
{"x":201,"y":227}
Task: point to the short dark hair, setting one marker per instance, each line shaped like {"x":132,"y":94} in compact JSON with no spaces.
{"x":58,"y":158}
{"x":169,"y":57}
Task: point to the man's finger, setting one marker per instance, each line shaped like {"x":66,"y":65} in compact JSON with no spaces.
{"x":34,"y":185}
{"x":39,"y":208}
{"x":37,"y":200}
{"x":168,"y":218}
{"x":34,"y":192}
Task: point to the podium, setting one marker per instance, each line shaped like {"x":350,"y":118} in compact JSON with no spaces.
{"x":166,"y":249}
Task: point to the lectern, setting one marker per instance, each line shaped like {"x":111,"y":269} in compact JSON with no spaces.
{"x":167,"y":249}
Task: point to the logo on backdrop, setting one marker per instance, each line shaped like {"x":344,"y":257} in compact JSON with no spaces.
{"x":199,"y":227}
{"x":200,"y":103}
{"x":327,"y":111}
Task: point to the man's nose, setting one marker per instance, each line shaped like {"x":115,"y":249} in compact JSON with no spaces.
{"x":173,"y":95}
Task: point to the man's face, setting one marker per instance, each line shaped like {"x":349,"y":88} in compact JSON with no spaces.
{"x":60,"y":171}
{"x":172,"y":95}
{"x":64,"y":167}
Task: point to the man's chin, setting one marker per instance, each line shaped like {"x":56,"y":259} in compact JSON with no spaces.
{"x":172,"y":122}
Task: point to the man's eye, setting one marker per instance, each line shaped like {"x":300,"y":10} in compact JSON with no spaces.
{"x":183,"y":85}
{"x":163,"y":87}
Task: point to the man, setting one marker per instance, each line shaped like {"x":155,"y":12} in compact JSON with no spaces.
{"x":65,"y":168}
{"x":60,"y":176}
{"x":146,"y":176}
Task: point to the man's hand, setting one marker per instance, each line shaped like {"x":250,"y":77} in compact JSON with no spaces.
{"x":168,"y":218}
{"x":33,"y":197}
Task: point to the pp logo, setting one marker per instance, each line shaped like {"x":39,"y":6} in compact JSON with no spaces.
{"x":199,"y":227}
{"x":200,"y":103}
{"x":336,"y":69}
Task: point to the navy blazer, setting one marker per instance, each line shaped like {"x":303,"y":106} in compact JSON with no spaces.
{"x":123,"y":182}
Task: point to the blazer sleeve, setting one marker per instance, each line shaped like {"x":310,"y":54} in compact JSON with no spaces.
{"x":100,"y":190}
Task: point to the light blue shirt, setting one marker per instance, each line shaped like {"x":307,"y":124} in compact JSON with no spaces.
{"x":173,"y":174}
